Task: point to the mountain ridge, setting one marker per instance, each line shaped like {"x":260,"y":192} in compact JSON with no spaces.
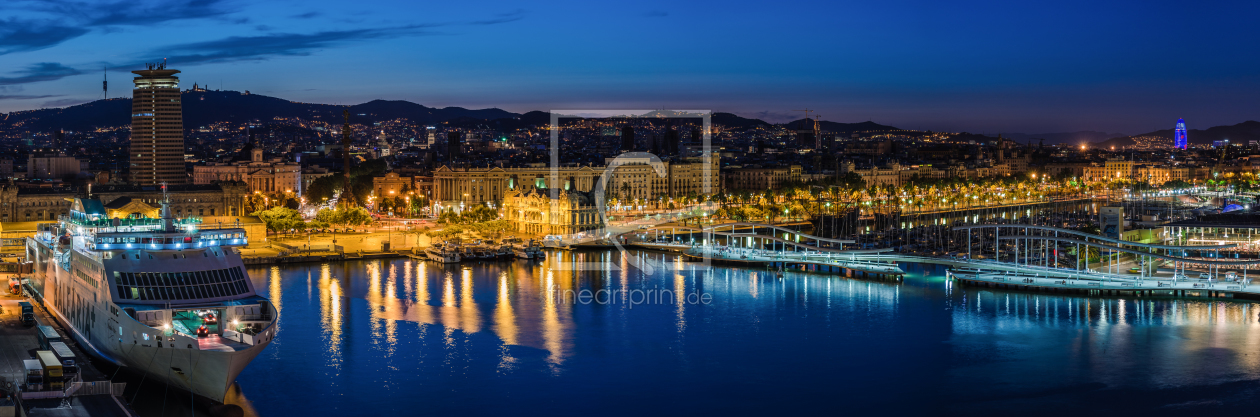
{"x":204,"y":107}
{"x":1238,"y":133}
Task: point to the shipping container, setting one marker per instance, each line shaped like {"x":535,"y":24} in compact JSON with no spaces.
{"x":66,"y":356}
{"x":52,"y":369}
{"x":34,"y":375}
{"x":47,"y":334}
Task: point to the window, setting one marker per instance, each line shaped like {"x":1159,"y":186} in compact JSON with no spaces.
{"x":166,"y":286}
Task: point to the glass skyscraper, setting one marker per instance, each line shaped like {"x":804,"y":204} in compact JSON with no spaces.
{"x":1179,"y":135}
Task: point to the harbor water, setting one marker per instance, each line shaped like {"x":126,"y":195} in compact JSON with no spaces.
{"x":601,"y":333}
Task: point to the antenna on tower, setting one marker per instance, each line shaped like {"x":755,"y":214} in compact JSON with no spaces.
{"x":105,"y":82}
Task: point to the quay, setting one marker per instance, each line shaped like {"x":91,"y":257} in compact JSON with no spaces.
{"x":1107,"y":288}
{"x":92,"y":394}
{"x":779,"y":248}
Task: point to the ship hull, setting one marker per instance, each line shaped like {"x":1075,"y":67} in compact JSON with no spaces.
{"x":197,"y":365}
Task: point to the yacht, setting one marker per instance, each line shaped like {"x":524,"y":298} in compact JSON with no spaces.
{"x":530,"y":250}
{"x":168,"y":298}
{"x":443,"y":254}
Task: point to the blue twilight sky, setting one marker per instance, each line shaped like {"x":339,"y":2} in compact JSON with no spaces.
{"x":979,"y":66}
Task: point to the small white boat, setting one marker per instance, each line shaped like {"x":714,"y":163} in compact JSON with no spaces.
{"x":438,"y":253}
{"x":531,"y":250}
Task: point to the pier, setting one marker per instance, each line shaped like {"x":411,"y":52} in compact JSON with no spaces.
{"x":1031,"y":261}
{"x":90,"y":393}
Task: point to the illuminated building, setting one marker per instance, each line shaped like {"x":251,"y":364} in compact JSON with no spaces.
{"x":635,"y":179}
{"x":531,"y":210}
{"x":1179,"y":135}
{"x":157,"y":128}
{"x":268,"y":176}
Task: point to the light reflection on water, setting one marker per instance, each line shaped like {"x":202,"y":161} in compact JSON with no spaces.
{"x":396,"y":335}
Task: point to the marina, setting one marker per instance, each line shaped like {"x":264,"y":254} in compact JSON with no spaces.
{"x":444,"y":333}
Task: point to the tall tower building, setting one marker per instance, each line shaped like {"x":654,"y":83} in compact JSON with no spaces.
{"x":454,"y":147}
{"x":157,"y":128}
{"x":1179,"y":135}
{"x":627,"y":138}
{"x":671,"y":141}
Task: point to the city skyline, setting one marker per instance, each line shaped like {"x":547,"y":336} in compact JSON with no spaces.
{"x":979,"y":67}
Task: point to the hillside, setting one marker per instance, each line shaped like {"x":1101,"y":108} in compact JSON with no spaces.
{"x":1241,"y":133}
{"x":203,"y":108}
{"x":1083,"y":136}
{"x":836,"y":127}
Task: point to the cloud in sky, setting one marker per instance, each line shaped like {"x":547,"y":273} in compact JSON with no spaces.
{"x":43,"y":71}
{"x":19,"y":35}
{"x":656,"y":13}
{"x":72,"y":19}
{"x":254,"y":48}
{"x":508,"y":17}
{"x":132,"y":12}
{"x":26,"y":96}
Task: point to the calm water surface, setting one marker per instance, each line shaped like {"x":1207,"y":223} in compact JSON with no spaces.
{"x":404,"y":337}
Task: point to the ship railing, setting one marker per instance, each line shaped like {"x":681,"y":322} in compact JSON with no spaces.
{"x":265,"y":333}
{"x":79,"y":388}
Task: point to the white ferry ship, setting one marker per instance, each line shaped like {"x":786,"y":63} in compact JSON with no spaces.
{"x":164,"y":297}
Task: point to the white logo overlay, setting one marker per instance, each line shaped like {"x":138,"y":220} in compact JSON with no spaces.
{"x":635,"y":176}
